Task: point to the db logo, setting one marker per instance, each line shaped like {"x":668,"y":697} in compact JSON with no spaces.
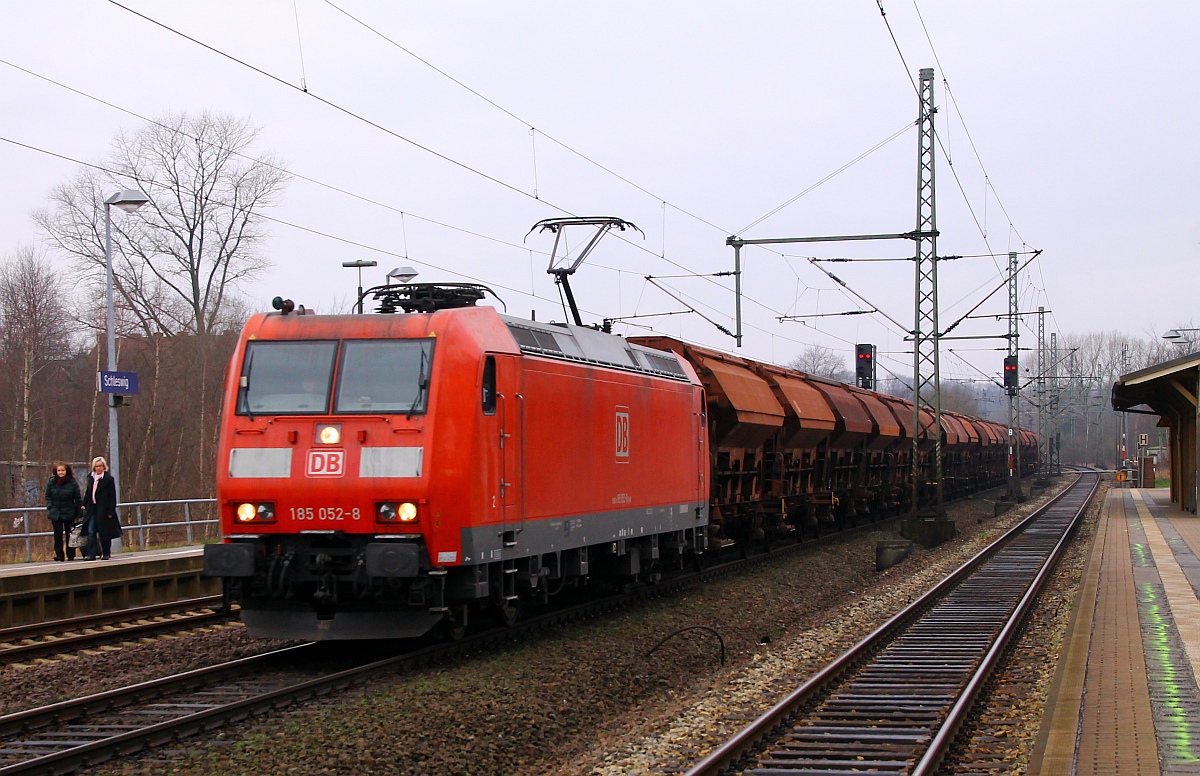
{"x":326,"y":463}
{"x":622,"y":435}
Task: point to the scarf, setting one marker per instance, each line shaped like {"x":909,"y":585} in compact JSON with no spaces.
{"x":60,"y":481}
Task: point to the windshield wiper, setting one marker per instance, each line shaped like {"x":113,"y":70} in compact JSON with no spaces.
{"x":244,"y":387}
{"x":422,"y":383}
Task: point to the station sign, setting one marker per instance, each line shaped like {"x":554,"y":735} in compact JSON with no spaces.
{"x":125,"y":383}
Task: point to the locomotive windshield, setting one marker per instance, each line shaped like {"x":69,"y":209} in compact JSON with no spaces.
{"x":286,"y":378}
{"x":384,"y":376}
{"x":294,"y":378}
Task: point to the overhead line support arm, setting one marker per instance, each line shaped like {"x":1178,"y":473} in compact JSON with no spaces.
{"x":737,"y":243}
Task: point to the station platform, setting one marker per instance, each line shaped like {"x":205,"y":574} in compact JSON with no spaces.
{"x":50,"y":590}
{"x":1124,"y":699}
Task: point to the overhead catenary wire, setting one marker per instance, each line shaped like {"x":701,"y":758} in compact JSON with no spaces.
{"x":300,"y":46}
{"x":335,"y":106}
{"x":862,"y":299}
{"x":402,"y":213}
{"x":966,"y":130}
{"x":282,"y":222}
{"x":392,"y":133}
{"x":524,"y":122}
{"x":954,"y":173}
{"x":384,"y":251}
{"x":376,"y":125}
{"x":247,"y":157}
{"x":899,"y":51}
{"x":828,"y":177}
{"x":484,"y":236}
{"x":506,"y":185}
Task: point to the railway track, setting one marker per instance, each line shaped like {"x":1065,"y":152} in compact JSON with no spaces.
{"x":894,"y":702}
{"x":67,"y":736}
{"x":29,"y":642}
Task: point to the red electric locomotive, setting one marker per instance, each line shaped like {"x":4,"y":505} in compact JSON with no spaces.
{"x":379,"y":475}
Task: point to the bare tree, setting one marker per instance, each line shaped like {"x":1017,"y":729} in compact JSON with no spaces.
{"x":822,"y":362}
{"x":963,"y":397}
{"x":35,"y":333}
{"x":177,"y":260}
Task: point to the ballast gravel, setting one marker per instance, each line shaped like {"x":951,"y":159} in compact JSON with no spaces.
{"x":74,"y":675}
{"x":589,"y":699}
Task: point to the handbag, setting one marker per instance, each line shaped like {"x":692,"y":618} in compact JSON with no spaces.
{"x":77,"y":538}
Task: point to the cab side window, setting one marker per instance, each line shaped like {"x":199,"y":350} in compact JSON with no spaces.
{"x":489,"y":386}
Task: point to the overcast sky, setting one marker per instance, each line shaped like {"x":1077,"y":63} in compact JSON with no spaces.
{"x":1071,"y":128}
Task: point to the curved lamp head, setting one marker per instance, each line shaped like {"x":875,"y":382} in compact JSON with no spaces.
{"x":128,"y":200}
{"x":402,"y":274}
{"x":1179,"y":337}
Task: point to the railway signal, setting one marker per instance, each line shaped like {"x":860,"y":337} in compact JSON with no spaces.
{"x":1012,"y":377}
{"x":864,"y":366}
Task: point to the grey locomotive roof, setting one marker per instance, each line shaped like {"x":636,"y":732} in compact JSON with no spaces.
{"x":580,"y":343}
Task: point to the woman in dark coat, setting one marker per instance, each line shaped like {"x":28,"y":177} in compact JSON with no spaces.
{"x":100,"y":506}
{"x":63,"y":503}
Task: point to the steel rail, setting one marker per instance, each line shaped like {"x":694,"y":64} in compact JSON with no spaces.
{"x":944,"y":738}
{"x":752,"y":736}
{"x":118,"y":626}
{"x":128,"y":741}
{"x":34,"y":630}
{"x":102,"y":747}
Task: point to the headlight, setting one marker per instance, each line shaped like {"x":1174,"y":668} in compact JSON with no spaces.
{"x":329,"y":434}
{"x":262,"y":512}
{"x":394,"y":512}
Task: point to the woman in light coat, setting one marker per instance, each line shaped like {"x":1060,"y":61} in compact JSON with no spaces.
{"x":100,"y":506}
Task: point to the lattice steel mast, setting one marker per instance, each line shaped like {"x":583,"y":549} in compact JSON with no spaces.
{"x":1014,"y":394}
{"x":926,"y":366}
{"x":1054,"y":426}
{"x":1043,"y":449}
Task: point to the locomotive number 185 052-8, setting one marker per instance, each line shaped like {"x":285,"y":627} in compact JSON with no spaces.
{"x":325,"y":513}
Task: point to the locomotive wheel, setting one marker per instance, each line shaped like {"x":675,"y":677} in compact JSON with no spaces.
{"x":455,"y":625}
{"x":507,"y":612}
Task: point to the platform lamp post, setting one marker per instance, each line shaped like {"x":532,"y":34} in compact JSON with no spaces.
{"x":1178,"y":337}
{"x":359,"y":266}
{"x":128,"y":200}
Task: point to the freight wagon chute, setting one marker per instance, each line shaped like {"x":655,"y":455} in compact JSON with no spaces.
{"x":952,"y":432}
{"x":967,"y":433}
{"x":903,"y":412}
{"x":811,"y":419}
{"x":854,"y":422}
{"x":756,"y":414}
{"x":987,"y":434}
{"x":887,"y":430}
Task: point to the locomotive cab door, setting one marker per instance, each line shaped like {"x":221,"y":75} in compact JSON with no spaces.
{"x":510,"y":412}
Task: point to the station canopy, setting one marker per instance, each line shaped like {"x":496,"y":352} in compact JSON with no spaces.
{"x":1169,"y":390}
